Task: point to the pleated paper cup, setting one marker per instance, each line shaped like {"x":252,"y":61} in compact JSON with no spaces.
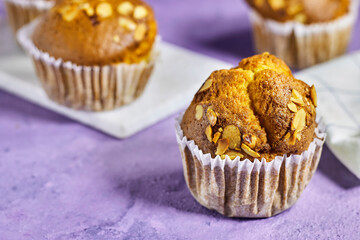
{"x":21,"y":12}
{"x":241,"y":188}
{"x":301,"y":45}
{"x":92,"y":88}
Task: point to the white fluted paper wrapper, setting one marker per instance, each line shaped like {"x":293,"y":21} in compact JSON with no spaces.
{"x":301,"y":45}
{"x":93,"y":88}
{"x":21,"y":12}
{"x":241,"y":188}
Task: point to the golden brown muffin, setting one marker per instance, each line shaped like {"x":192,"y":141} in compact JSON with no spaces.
{"x":255,"y":110}
{"x":304,"y":11}
{"x":97,"y":32}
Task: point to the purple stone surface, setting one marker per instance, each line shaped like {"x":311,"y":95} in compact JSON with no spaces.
{"x":62,"y":180}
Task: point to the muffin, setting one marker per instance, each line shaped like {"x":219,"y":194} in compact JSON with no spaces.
{"x":93,"y":55}
{"x":303,"y":32}
{"x":249,"y":140}
{"x":21,"y":12}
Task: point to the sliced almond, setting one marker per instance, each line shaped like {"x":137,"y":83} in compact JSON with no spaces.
{"x":104,"y":10}
{"x":249,"y":151}
{"x":140,"y":32}
{"x":296,"y":136}
{"x":87,"y":8}
{"x":249,"y":140}
{"x":297,"y":101}
{"x":211,"y":116}
{"x":296,"y":94}
{"x":293,"y":138}
{"x":216,"y":137}
{"x":223,"y":145}
{"x":301,"y":17}
{"x":127,"y":24}
{"x":69,"y":14}
{"x":234,"y":154}
{"x":125,"y":8}
{"x":116,"y":38}
{"x":208,"y":133}
{"x":297,"y":98}
{"x":199,"y":111}
{"x":140,"y":12}
{"x":292,"y":107}
{"x":232,"y":133}
{"x":287,"y":136}
{"x":313,"y":95}
{"x":206,"y":85}
{"x":299,"y":121}
{"x":313,"y":110}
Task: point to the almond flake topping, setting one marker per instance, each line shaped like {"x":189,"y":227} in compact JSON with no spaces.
{"x":232,"y":133}
{"x":292,"y":107}
{"x":140,"y":12}
{"x":104,"y":10}
{"x":222,"y":146}
{"x":199,"y":111}
{"x":299,"y":121}
{"x":234,"y":154}
{"x":249,"y":151}
{"x":125,"y":8}
{"x":216,"y":137}
{"x":313,"y":95}
{"x":211,"y":116}
{"x":140,"y":32}
{"x":206,"y":85}
{"x":208,"y":133}
{"x":127,"y":24}
{"x":297,"y":98}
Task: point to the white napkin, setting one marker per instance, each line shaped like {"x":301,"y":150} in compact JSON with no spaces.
{"x":338,"y":89}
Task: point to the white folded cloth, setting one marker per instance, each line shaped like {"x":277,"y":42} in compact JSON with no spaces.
{"x":338,"y":89}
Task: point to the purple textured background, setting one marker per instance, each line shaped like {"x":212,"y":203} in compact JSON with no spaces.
{"x":62,"y":180}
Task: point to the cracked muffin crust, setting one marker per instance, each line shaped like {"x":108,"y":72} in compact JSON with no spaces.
{"x":96,"y":32}
{"x":304,"y":11}
{"x":255,"y":110}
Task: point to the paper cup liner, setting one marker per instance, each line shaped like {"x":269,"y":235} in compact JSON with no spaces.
{"x":241,"y":188}
{"x":21,"y":12}
{"x":92,"y":88}
{"x":301,"y":45}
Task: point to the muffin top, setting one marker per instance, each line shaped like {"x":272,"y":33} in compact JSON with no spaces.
{"x":97,"y":32}
{"x":256,"y":110}
{"x":304,"y":11}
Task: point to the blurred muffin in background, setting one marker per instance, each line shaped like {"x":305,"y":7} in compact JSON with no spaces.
{"x":303,"y":32}
{"x":21,"y":12}
{"x":93,"y":55}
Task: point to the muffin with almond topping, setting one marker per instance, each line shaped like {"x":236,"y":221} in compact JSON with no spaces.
{"x":249,"y":140}
{"x":303,"y":32}
{"x":93,"y":55}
